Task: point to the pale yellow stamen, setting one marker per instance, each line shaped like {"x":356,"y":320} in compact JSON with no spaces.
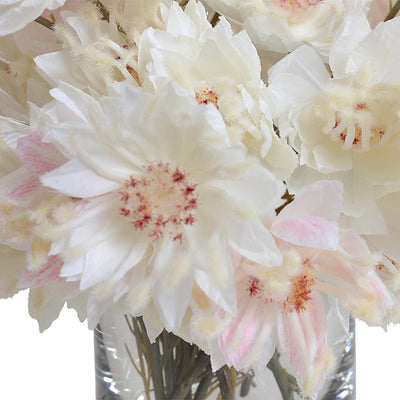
{"x":359,"y":113}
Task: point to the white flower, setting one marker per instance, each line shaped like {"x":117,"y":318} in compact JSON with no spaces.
{"x":345,"y":127}
{"x":20,"y":83}
{"x":98,"y":49}
{"x":15,"y":14}
{"x":163,"y":187}
{"x":282,"y":25}
{"x":218,"y":68}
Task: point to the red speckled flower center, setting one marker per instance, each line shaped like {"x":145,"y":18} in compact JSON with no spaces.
{"x":353,"y":136}
{"x":298,"y":297}
{"x":207,"y":96}
{"x":161,"y":202}
{"x":300,"y":293}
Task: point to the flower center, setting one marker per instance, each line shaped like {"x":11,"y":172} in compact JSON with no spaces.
{"x":300,"y":292}
{"x":161,"y":202}
{"x":292,"y":10}
{"x":207,"y":96}
{"x":295,"y":5}
{"x":289,"y":285}
{"x":357,"y":114}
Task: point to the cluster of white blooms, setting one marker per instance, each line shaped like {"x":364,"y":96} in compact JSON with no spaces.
{"x":151,"y":165}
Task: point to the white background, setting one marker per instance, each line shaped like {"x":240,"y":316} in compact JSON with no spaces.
{"x":59,"y":364}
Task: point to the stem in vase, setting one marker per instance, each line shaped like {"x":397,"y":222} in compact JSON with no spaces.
{"x":227,"y":382}
{"x":204,"y":385}
{"x":173,"y":368}
{"x":286,"y":382}
{"x":154,"y":360}
{"x":191,"y":376}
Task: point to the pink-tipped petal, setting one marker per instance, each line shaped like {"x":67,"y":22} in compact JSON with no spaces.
{"x":49,"y":273}
{"x":308,"y":231}
{"x":303,"y":346}
{"x":38,"y":157}
{"x":19,"y":185}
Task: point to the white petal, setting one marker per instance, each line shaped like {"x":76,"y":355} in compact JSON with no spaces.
{"x":76,"y":180}
{"x":110,"y":256}
{"x":330,"y":157}
{"x":72,"y":266}
{"x":173,"y":275}
{"x":323,"y":199}
{"x":255,"y":242}
{"x":12,"y":265}
{"x":59,"y":66}
{"x":354,"y":28}
{"x":378,"y":51}
{"x":214,"y":274}
{"x":304,"y":63}
{"x":74,"y":104}
{"x":389,"y":243}
{"x":45,"y":303}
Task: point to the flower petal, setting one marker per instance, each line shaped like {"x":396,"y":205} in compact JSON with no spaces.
{"x":48,"y":273}
{"x":308,"y":231}
{"x":76,"y":180}
{"x":39,"y":157}
{"x":255,"y":242}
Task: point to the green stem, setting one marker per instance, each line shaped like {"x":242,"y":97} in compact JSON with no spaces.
{"x":288,"y":199}
{"x":172,"y":373}
{"x":286,"y":382}
{"x":202,"y":389}
{"x":393,"y":11}
{"x":246,"y":384}
{"x":135,"y":329}
{"x":191,"y":376}
{"x":45,"y":22}
{"x":227,"y":382}
{"x":154,"y":360}
{"x":215,"y":19}
{"x":168,"y":363}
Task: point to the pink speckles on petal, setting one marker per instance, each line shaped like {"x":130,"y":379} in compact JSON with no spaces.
{"x":39,"y":157}
{"x":49,"y":273}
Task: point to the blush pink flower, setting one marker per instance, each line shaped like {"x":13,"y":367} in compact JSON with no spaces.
{"x":287,"y":306}
{"x":30,"y":216}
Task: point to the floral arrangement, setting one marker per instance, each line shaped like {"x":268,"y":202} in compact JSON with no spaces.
{"x":224,"y":172}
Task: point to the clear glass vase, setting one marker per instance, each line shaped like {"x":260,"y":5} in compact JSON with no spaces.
{"x":129,"y":367}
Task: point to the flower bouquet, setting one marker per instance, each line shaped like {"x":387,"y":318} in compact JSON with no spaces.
{"x":213,"y":185}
